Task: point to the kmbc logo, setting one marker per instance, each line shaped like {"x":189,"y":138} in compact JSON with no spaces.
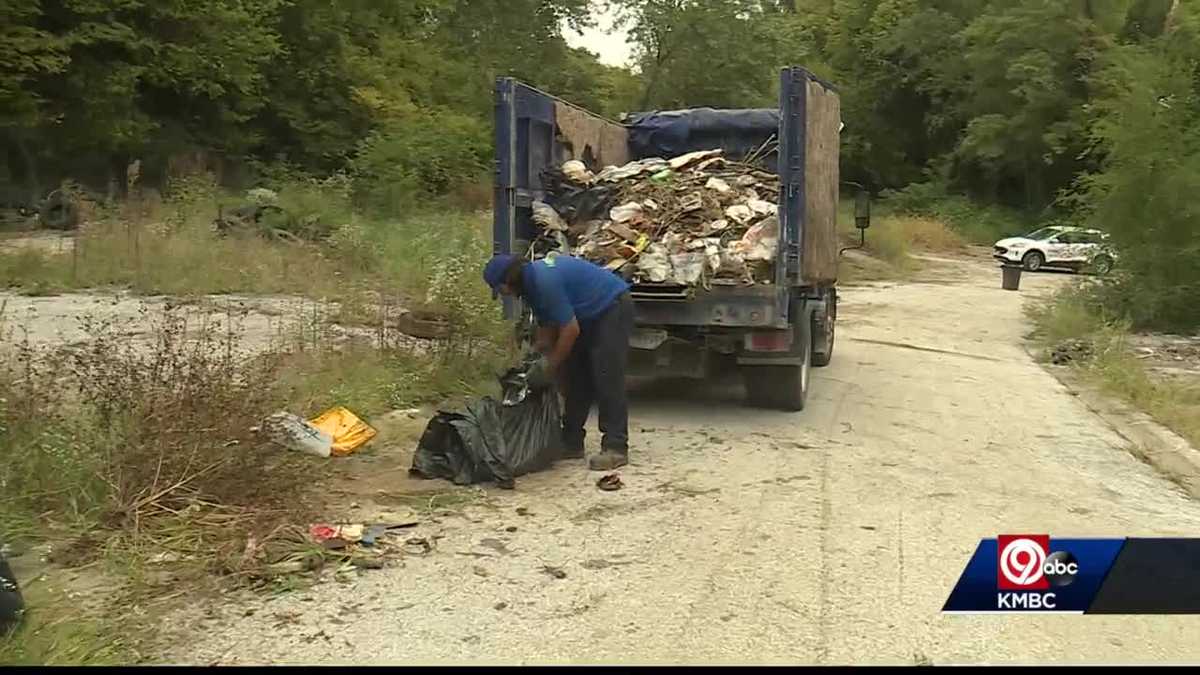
{"x":1025,"y":563}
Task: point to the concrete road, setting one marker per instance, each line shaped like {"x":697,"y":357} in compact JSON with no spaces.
{"x":828,"y":536}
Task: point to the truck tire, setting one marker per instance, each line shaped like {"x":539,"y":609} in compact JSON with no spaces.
{"x":783,"y":387}
{"x":823,"y":337}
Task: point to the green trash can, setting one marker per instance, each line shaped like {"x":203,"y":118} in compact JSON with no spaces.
{"x":1011,"y":277}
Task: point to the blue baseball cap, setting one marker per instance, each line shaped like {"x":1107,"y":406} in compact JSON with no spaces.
{"x":495,"y":269}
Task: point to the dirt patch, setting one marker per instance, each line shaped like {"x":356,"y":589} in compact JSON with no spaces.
{"x":1171,"y":356}
{"x":41,"y":242}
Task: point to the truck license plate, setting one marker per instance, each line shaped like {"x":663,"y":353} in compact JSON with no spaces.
{"x":647,"y":338}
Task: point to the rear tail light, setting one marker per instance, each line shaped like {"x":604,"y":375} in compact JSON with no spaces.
{"x":769,"y":341}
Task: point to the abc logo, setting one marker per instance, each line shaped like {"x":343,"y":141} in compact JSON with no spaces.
{"x":1025,"y":563}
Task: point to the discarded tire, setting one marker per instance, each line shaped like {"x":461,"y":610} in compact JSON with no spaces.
{"x":60,"y":211}
{"x":424,"y":324}
{"x":1010,"y":278}
{"x":12,"y":605}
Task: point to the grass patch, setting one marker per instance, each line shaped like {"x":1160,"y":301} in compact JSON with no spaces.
{"x":1106,"y":360}
{"x":975,"y":222}
{"x":54,"y":632}
{"x":891,"y":242}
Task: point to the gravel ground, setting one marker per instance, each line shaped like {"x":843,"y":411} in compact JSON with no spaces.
{"x":745,"y":536}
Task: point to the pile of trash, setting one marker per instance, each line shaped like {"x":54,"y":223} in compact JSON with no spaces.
{"x":695,"y":220}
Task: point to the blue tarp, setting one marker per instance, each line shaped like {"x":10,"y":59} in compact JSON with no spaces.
{"x":675,"y":132}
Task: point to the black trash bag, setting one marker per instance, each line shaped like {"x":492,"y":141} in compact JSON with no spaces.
{"x":493,"y":440}
{"x":12,"y":605}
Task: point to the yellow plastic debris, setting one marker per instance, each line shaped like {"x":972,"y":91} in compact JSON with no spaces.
{"x":348,"y":431}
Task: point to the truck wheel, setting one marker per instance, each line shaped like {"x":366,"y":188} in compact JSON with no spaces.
{"x":822,"y":350}
{"x":793,"y":380}
{"x":781,"y":387}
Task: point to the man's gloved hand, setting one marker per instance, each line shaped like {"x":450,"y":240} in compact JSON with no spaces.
{"x":539,"y":375}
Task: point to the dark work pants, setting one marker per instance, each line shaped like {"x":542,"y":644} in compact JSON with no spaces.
{"x":595,"y":373}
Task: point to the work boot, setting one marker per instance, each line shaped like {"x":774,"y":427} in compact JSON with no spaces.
{"x":608,"y":460}
{"x":572,"y":445}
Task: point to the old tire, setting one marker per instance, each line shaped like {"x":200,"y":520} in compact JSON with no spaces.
{"x":822,"y":350}
{"x":1033,"y":261}
{"x":59,"y":212}
{"x":782,"y":387}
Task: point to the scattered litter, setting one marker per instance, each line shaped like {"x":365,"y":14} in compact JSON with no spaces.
{"x":610,"y":483}
{"x":345,"y":428}
{"x":1070,"y":350}
{"x":578,"y":172}
{"x":547,"y":217}
{"x":296,"y":433}
{"x":555,"y":572}
{"x":417,"y":546}
{"x":500,"y":606}
{"x":626,"y":213}
{"x":717,"y":184}
{"x":522,"y":511}
{"x":481,"y":571}
{"x":511,"y":528}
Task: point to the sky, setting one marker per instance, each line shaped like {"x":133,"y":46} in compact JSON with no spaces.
{"x":612,"y":49}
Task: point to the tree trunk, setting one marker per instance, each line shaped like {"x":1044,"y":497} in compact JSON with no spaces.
{"x":32,"y":179}
{"x":1172,"y":15}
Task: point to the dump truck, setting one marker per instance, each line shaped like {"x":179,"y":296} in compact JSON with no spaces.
{"x":773,"y":331}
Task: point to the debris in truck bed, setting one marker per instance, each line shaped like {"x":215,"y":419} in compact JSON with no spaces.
{"x":695,"y":220}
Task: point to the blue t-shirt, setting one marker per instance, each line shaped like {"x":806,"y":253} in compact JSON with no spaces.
{"x":562,"y":288}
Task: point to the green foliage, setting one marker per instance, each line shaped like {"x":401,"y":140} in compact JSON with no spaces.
{"x":419,"y":156}
{"x":1148,"y":126}
{"x":978,"y":223}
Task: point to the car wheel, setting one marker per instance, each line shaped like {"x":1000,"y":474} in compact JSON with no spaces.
{"x":1033,"y":261}
{"x":1102,"y":265}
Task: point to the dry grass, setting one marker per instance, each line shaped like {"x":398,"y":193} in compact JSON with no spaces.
{"x":892,"y":241}
{"x":1111,"y":364}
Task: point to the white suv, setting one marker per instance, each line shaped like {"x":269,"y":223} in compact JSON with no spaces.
{"x":1074,"y":248}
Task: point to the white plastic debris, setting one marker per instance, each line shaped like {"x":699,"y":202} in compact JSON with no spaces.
{"x":614,"y":173}
{"x":745,"y":180}
{"x":654,"y":264}
{"x":625,"y":212}
{"x":650,"y":205}
{"x":296,"y":433}
{"x":687,"y":268}
{"x":684,"y":161}
{"x":674,"y":242}
{"x":716,"y":226}
{"x":740,"y":213}
{"x":577,"y":172}
{"x":760,"y":242}
{"x":691,"y":202}
{"x":547,"y":217}
{"x":712,"y":254}
{"x":717,"y":184}
{"x":762,"y":208}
